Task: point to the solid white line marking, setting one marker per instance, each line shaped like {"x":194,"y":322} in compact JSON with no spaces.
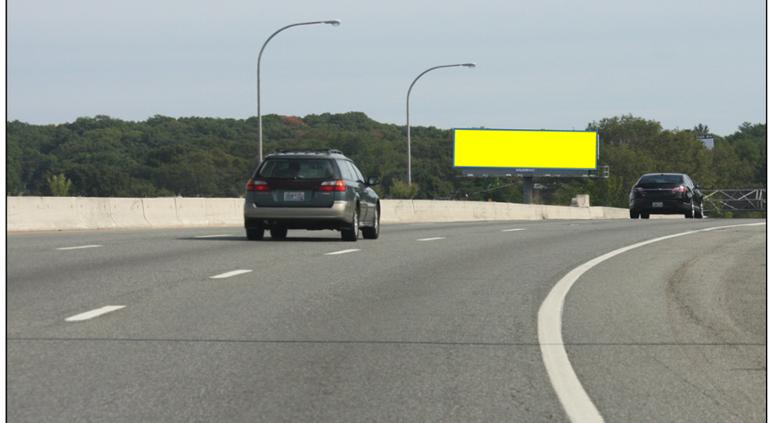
{"x":93,"y":313}
{"x":232,"y":273}
{"x":568,"y":388}
{"x":212,"y":236}
{"x":352,"y":250}
{"x":513,"y":230}
{"x":431,"y":239}
{"x":80,"y":247}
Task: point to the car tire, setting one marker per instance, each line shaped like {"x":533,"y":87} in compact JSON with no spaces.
{"x":372,"y":232}
{"x":278,"y":232}
{"x":255,"y":233}
{"x":699,"y":214}
{"x":634,"y":214}
{"x":645,"y":215}
{"x":350,"y":233}
{"x":689,"y":213}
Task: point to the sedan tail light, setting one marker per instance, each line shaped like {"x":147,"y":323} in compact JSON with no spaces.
{"x":256,"y":186}
{"x":330,"y":186}
{"x":680,"y":188}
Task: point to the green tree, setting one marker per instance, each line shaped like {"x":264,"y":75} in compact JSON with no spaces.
{"x":59,"y":185}
{"x":196,"y":156}
{"x":401,"y":189}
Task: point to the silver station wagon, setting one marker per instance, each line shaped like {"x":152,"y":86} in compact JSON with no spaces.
{"x":310,"y":189}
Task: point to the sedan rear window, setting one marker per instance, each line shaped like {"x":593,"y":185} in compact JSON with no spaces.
{"x":297,"y":169}
{"x":660,"y":181}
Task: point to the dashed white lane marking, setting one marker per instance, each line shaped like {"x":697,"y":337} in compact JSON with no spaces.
{"x":80,"y":247}
{"x":568,"y":388}
{"x":93,"y":313}
{"x":513,"y":230}
{"x":230,"y":274}
{"x":213,"y":236}
{"x":351,"y":250}
{"x":431,"y":239}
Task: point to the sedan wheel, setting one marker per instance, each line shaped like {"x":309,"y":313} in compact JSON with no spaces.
{"x":255,"y":233}
{"x":699,"y":214}
{"x":278,"y":232}
{"x":350,"y":234}
{"x":372,"y":232}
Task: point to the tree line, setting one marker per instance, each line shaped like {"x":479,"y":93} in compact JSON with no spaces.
{"x":211,"y":157}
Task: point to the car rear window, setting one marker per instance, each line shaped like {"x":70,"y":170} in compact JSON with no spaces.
{"x":289,"y":168}
{"x":660,"y":181}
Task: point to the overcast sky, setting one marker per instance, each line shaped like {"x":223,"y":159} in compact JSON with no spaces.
{"x":542,"y":64}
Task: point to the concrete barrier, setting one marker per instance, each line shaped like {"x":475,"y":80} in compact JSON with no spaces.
{"x":41,"y":213}
{"x":405,"y":211}
{"x":60,"y":213}
{"x":223,"y":211}
{"x":97,"y":213}
{"x":160,"y":212}
{"x":127,"y":212}
{"x":190,"y":211}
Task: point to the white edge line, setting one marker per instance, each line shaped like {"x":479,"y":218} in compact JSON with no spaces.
{"x":513,"y":230}
{"x":351,"y":250}
{"x":431,"y":239}
{"x":230,"y":274}
{"x":80,"y":247}
{"x":93,"y":313}
{"x":574,"y":399}
{"x":212,"y":236}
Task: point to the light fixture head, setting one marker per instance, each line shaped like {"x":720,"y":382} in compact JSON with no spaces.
{"x":333,"y":22}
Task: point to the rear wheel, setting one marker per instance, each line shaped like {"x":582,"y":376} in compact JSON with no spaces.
{"x":645,"y":215}
{"x":254,"y":232}
{"x":634,"y":214}
{"x":700,"y":213}
{"x":350,"y":233}
{"x":372,"y":232}
{"x":278,"y":232}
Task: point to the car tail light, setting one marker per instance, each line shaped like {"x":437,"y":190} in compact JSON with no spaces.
{"x":680,"y":188}
{"x":257,"y":186}
{"x":330,"y":186}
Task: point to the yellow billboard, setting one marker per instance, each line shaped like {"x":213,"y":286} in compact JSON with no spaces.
{"x":524,"y":149}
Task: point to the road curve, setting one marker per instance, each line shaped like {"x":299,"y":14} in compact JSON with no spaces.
{"x":432,"y":322}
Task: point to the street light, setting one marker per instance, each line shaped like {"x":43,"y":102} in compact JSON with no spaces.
{"x":258,"y":69}
{"x":408,"y":107}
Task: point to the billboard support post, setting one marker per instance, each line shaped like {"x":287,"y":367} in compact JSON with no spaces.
{"x":527,"y":189}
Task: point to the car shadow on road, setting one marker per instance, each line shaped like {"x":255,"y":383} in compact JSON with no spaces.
{"x":289,"y":239}
{"x":217,"y":238}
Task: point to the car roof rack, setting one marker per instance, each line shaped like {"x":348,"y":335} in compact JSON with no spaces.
{"x":310,"y":151}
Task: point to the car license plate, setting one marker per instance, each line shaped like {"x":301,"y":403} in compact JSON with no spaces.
{"x":293,"y":196}
{"x":657,"y":204}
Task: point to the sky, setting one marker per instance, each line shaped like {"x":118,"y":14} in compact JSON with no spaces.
{"x":540,"y":64}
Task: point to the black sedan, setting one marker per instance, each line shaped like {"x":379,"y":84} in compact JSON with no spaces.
{"x":665,"y":193}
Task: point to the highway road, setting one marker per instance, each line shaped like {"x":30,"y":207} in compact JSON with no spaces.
{"x":429,"y":323}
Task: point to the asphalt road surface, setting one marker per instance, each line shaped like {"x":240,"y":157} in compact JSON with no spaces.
{"x":429,"y":323}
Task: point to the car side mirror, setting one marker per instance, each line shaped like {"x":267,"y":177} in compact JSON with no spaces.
{"x":372,"y":180}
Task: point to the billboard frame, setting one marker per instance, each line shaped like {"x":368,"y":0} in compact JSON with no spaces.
{"x":472,"y":171}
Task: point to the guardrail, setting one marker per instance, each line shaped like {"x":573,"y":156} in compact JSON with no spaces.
{"x":735,"y":200}
{"x":61,"y":213}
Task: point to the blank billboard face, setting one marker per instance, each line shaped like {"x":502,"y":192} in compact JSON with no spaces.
{"x":523,"y":150}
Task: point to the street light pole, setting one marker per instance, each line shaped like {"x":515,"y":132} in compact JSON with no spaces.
{"x":258,"y":71}
{"x":408,"y":107}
